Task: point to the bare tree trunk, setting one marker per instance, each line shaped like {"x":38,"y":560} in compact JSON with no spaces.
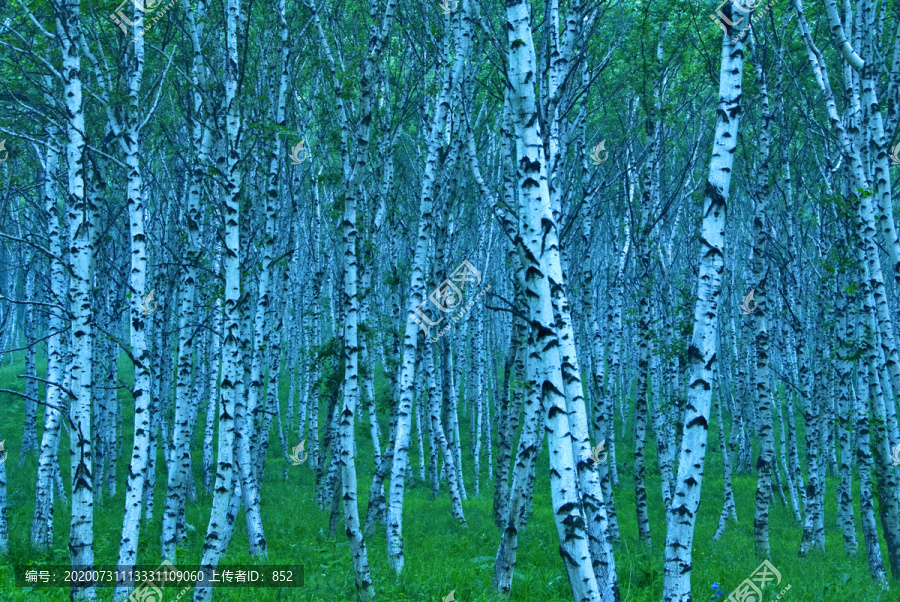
{"x":702,"y":350}
{"x":416,"y":299}
{"x":48,"y":462}
{"x":347,"y":443}
{"x":81,"y":250}
{"x":232,"y":370}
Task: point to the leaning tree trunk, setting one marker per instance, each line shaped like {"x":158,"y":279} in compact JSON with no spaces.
{"x":416,"y":300}
{"x":702,"y":350}
{"x":538,"y":260}
{"x":180,"y":469}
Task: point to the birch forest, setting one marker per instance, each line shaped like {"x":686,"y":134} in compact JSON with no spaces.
{"x":455,"y":300}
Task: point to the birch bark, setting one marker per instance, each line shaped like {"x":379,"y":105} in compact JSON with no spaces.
{"x":702,"y":350}
{"x":129,"y":129}
{"x":451,"y":79}
{"x":201,"y":141}
{"x":347,"y":451}
{"x":48,"y":462}
{"x":539,"y":260}
{"x":766,"y":461}
{"x":81,"y":250}
{"x":866,"y":498}
{"x":867,"y":228}
{"x":232,"y":370}
{"x":4,"y":517}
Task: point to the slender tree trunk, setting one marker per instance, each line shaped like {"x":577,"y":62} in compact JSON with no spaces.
{"x":180,"y":470}
{"x":843,"y":366}
{"x":81,"y":251}
{"x":728,"y":509}
{"x":347,"y":450}
{"x":523,"y":472}
{"x":440,"y":440}
{"x":539,"y":261}
{"x":29,"y":432}
{"x":4,"y":519}
{"x":232,"y":370}
{"x":48,"y":462}
{"x":866,"y":498}
{"x":702,"y":350}
{"x":416,"y":300}
{"x":212,"y":402}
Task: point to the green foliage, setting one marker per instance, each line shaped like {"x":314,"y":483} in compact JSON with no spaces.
{"x":440,"y":555}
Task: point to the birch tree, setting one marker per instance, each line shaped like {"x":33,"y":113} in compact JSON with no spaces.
{"x":702,"y":351}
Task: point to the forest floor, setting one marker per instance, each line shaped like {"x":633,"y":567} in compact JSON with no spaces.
{"x":440,"y":555}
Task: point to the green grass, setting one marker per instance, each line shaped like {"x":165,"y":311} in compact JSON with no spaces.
{"x":440,"y":555}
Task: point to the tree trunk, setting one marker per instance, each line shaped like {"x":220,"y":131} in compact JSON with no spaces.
{"x":232,"y":369}
{"x":702,"y":350}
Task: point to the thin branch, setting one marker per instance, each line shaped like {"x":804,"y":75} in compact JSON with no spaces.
{"x":68,"y":392}
{"x":39,"y":402}
{"x":35,"y":342}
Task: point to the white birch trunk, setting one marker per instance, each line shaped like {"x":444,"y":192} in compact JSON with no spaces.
{"x":537,"y":218}
{"x":80,"y":242}
{"x":702,"y":350}
{"x":766,"y":461}
{"x":526,"y":456}
{"x":4,"y":517}
{"x":42,"y":521}
{"x":440,"y":440}
{"x":866,"y":498}
{"x":232,"y":370}
{"x":29,"y":429}
{"x":201,"y":141}
{"x":844,"y":367}
{"x":212,"y":397}
{"x":451,"y":79}
{"x":867,"y":228}
{"x":347,"y":450}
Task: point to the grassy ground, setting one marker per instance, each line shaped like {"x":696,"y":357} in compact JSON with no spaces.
{"x":440,"y":555}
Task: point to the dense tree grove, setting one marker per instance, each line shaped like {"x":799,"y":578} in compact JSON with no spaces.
{"x":528,"y":253}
